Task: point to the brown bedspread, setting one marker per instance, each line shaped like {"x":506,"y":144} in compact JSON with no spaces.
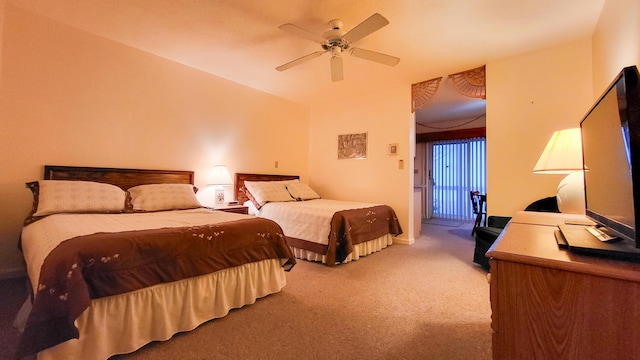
{"x":105,"y":264}
{"x":351,"y":227}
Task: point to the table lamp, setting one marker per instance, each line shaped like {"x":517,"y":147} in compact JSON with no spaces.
{"x":220,"y":177}
{"x":563,"y":155}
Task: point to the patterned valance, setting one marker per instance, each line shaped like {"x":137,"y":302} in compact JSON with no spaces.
{"x":471,"y":83}
{"x":422,"y":92}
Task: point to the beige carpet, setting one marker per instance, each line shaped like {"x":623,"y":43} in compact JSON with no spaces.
{"x":425,"y":301}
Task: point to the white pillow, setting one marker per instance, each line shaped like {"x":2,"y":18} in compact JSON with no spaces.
{"x":251,"y":207}
{"x":301,"y":191}
{"x":157,"y":197}
{"x":67,"y":196}
{"x":269,"y":191}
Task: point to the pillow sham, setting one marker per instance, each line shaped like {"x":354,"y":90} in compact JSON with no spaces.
{"x":68,"y":196}
{"x":251,"y":208}
{"x":301,"y":191}
{"x":252,"y":200}
{"x":262,"y":192}
{"x":158,"y":197}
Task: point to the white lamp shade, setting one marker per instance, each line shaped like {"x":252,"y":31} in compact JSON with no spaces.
{"x":563,"y":153}
{"x":220,"y":176}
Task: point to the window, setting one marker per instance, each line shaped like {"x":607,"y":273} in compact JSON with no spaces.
{"x":459,"y":166}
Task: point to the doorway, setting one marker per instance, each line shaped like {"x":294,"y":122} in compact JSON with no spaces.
{"x":450,"y":143}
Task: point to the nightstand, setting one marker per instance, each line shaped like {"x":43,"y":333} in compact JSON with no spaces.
{"x":239,"y":209}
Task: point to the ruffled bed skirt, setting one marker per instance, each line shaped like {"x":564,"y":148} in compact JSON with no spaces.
{"x":123,"y":323}
{"x":362,"y":249}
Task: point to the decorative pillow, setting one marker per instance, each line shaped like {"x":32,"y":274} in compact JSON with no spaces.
{"x":35,"y":190}
{"x":251,"y":198}
{"x":251,"y":208}
{"x":301,"y":191}
{"x":263,"y":192}
{"x":66,"y":196}
{"x":157,"y":197}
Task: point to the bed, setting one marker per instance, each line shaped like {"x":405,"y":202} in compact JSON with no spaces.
{"x":322,"y":230}
{"x":113,"y":268}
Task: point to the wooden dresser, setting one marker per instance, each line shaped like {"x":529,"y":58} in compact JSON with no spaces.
{"x":549,"y":303}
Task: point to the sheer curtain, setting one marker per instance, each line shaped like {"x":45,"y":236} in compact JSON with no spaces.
{"x":459,"y":166}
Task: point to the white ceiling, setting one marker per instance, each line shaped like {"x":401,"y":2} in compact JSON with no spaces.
{"x":240,"y":40}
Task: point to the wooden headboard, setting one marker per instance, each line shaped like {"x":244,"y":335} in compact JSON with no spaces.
{"x":124,"y":178}
{"x":238,"y":185}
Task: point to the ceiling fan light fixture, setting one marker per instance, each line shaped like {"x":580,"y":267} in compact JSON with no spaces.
{"x":338,"y":40}
{"x":336,"y":51}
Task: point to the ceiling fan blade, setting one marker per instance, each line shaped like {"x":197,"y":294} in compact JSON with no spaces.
{"x":374,"y":56}
{"x":299,"y":61}
{"x":303,"y":33}
{"x":365,"y":28}
{"x":336,"y":68}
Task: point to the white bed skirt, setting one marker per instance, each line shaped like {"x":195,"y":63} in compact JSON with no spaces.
{"x":362,"y":249}
{"x":123,"y":323}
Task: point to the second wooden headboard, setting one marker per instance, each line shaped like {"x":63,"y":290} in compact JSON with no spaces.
{"x":238,"y":185}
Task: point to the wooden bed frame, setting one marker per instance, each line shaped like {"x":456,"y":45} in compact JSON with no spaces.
{"x":240,"y":178}
{"x":124,"y":178}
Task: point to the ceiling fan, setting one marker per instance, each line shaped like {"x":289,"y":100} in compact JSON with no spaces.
{"x":337,"y":40}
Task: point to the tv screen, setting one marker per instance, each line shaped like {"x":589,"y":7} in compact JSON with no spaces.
{"x":611,"y":157}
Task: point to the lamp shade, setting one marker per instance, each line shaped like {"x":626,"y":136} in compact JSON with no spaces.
{"x":220,"y":176}
{"x":563,"y":153}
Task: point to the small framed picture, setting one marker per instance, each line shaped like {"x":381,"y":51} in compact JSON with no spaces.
{"x":393,"y":149}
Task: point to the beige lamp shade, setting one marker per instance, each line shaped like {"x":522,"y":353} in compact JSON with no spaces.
{"x":220,"y":177}
{"x":563,"y":153}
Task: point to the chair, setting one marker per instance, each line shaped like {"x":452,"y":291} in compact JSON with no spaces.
{"x":548,"y":204}
{"x":488,"y":234}
{"x":478,"y":202}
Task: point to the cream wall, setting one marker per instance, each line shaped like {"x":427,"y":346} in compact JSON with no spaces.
{"x":529,"y":97}
{"x":71,"y":98}
{"x":616,"y":42}
{"x":384,"y":114}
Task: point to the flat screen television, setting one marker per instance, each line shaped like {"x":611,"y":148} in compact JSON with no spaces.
{"x":611,"y":162}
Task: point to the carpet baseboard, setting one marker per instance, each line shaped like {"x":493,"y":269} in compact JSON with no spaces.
{"x":404,"y":241}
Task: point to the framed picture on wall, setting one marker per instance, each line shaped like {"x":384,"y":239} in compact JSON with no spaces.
{"x":392,"y":149}
{"x":352,"y":146}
